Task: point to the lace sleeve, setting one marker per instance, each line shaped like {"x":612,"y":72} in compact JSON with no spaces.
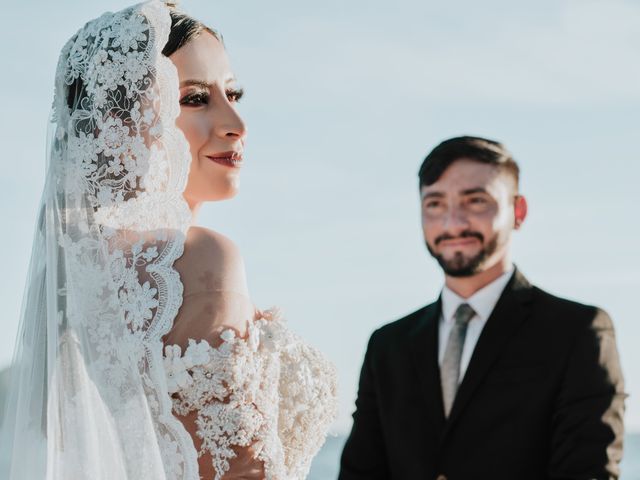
{"x":307,"y":390}
{"x":267,"y":394}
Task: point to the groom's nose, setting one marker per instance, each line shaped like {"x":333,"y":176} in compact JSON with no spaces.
{"x":455,"y":219}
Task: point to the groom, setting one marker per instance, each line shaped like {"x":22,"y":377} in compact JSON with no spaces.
{"x":497,"y":379}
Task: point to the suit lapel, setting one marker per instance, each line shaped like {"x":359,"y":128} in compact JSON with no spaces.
{"x":509,"y":313}
{"x":423,"y":347}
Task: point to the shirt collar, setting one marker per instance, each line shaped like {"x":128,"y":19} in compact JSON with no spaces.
{"x":483,"y":301}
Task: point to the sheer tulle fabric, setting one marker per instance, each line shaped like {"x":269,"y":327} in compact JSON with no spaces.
{"x":87,"y":392}
{"x":93,"y":390}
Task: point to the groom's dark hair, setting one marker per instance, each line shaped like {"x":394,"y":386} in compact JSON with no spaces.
{"x":478,"y":149}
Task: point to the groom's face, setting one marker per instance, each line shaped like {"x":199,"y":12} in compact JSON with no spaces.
{"x":468,"y":215}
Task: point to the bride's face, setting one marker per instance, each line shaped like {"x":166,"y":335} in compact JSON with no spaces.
{"x":209,"y":119}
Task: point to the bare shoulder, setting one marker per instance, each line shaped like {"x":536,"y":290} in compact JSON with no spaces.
{"x":211,"y":245}
{"x":211,"y":261}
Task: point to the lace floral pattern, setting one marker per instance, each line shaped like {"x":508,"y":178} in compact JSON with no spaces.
{"x":268,"y":390}
{"x":115,"y":210}
{"x":119,"y":166}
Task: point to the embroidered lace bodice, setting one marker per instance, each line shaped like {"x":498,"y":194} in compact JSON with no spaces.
{"x":268,"y":391}
{"x":105,"y":296}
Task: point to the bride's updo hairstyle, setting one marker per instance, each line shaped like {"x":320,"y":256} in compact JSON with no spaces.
{"x":183,"y":29}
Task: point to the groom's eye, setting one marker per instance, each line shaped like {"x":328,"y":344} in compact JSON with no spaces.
{"x":434,"y":208}
{"x":477,"y":204}
{"x":478,"y":201}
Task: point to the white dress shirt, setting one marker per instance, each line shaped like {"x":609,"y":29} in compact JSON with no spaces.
{"x":483,"y":302}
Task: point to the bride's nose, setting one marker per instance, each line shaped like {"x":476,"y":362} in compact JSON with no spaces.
{"x":226,"y":122}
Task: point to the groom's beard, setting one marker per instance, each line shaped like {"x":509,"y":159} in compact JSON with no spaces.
{"x":461,"y":265}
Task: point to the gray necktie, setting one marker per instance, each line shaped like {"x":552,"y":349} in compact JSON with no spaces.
{"x":450,"y":369}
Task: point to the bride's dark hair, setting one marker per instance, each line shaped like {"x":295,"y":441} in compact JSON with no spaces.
{"x":183,"y":29}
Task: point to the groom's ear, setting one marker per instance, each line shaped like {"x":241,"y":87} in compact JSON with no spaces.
{"x":520,"y":208}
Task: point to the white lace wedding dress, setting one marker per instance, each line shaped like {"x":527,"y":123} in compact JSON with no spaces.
{"x":100,"y":389}
{"x":269,"y":390}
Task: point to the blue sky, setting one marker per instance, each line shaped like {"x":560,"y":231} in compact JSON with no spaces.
{"x":343,"y":101}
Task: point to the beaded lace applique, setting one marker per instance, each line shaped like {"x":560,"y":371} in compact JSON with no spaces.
{"x":269,"y":391}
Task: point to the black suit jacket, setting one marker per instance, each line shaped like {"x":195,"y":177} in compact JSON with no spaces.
{"x":542,"y":397}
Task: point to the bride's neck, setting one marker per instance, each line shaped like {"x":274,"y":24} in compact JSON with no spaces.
{"x":195,"y":208}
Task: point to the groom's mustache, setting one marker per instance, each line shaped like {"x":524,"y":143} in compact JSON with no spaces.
{"x":465,"y":234}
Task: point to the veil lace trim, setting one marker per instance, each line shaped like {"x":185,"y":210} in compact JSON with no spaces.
{"x":91,"y":397}
{"x":120,"y":165}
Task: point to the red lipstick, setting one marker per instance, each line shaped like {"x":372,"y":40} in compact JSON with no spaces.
{"x":231,"y":159}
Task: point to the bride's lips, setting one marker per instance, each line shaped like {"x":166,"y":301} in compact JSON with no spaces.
{"x":231,"y":159}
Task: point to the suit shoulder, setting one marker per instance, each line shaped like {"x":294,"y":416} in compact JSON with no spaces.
{"x":404,"y":325}
{"x":573,"y":311}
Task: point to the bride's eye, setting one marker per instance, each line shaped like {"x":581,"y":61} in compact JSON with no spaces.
{"x":195,"y":99}
{"x":234,"y":94}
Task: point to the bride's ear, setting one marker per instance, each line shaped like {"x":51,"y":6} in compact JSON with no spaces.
{"x":521,"y":209}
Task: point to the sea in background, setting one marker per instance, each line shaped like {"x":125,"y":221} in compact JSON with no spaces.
{"x":325,"y":465}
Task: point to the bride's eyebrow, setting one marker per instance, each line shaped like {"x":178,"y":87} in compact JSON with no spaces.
{"x":195,"y":83}
{"x":203,"y":84}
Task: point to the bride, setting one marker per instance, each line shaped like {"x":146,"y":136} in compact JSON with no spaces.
{"x":140,"y":355}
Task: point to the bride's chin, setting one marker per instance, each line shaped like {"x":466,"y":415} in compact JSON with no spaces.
{"x":220,"y":189}
{"x":229,"y":191}
{"x":226,"y":193}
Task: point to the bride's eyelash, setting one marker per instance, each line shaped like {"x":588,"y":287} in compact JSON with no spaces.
{"x":234,"y":94}
{"x":202,"y":98}
{"x":195,"y":99}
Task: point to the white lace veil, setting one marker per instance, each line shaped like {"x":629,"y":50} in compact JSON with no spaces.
{"x":88,"y":393}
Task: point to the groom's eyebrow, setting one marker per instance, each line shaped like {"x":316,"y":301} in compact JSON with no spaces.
{"x":471,"y":191}
{"x":466,"y":191}
{"x":432,"y":195}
